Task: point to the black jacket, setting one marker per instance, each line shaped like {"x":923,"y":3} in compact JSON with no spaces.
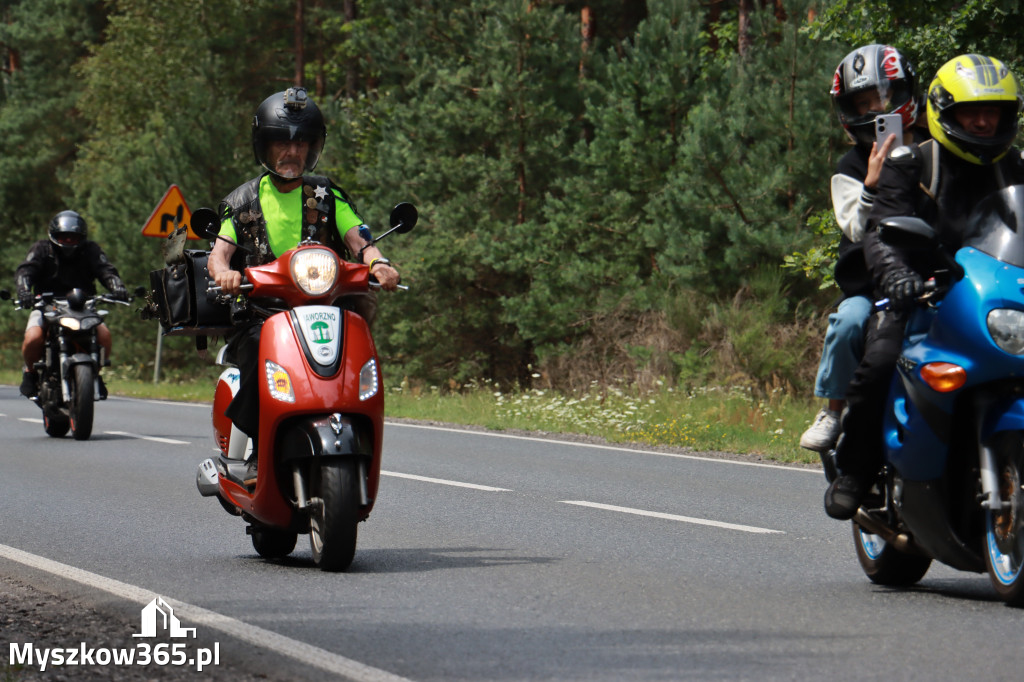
{"x":46,"y":270}
{"x":903,"y":191}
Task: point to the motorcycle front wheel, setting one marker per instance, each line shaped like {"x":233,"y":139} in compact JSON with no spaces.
{"x":883,"y":564}
{"x":82,"y":396}
{"x":334,"y":523}
{"x":1004,"y":528}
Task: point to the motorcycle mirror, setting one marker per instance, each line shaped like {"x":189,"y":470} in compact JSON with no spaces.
{"x":5,"y":295}
{"x":141,"y":291}
{"x":205,"y":223}
{"x":404,"y":217}
{"x":906,"y":232}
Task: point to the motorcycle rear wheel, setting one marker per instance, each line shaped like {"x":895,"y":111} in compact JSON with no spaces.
{"x":1004,"y":529}
{"x":334,"y":523}
{"x":82,"y":396}
{"x":55,"y":422}
{"x":883,"y":564}
{"x":271,"y":543}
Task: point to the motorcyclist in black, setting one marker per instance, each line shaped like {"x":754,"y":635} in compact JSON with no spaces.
{"x":973,"y":106}
{"x":66,"y":260}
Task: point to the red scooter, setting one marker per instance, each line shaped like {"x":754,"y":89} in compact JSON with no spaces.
{"x":321,"y":406}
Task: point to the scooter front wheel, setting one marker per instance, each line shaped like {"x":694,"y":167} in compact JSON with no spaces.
{"x":334,"y":523}
{"x":883,"y":564}
{"x":1004,"y":528}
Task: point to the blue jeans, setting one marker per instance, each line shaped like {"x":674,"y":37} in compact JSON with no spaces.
{"x":844,"y":346}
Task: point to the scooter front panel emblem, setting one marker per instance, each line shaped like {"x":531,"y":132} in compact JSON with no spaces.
{"x":321,"y":330}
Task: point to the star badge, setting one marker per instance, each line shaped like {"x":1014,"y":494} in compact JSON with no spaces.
{"x":321,"y":192}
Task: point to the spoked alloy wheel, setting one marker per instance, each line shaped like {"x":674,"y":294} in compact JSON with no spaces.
{"x":82,"y":397}
{"x":883,"y":564}
{"x":335,"y":519}
{"x":1004,"y":528}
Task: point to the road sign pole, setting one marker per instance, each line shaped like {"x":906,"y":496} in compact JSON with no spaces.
{"x":159,"y":348}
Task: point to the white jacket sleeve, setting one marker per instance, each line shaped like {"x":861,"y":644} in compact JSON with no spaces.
{"x":851,"y":202}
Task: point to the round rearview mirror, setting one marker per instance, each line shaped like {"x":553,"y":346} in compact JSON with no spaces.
{"x":404,"y":217}
{"x":205,"y":223}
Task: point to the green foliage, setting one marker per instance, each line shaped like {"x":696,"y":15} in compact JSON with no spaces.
{"x":931,"y":32}
{"x":818,"y":261}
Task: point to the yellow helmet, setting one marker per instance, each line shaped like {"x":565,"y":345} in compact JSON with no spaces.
{"x":974,"y":79}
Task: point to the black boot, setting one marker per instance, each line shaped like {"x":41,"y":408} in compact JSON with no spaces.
{"x":843,"y":497}
{"x":29,"y":389}
{"x":103,"y":388}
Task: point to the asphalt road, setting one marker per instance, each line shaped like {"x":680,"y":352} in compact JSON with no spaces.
{"x":491,"y":557}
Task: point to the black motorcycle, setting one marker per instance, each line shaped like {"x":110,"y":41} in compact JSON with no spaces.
{"x":68,"y":376}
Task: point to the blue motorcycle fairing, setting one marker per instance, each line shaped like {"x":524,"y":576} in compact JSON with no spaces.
{"x":919,"y":420}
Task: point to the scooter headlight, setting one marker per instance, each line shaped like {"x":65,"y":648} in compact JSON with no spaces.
{"x":315,"y":270}
{"x":369,"y":382}
{"x":1007,"y":329}
{"x":279,"y":383}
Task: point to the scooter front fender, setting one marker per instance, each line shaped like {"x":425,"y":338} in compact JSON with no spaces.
{"x":336,"y":434}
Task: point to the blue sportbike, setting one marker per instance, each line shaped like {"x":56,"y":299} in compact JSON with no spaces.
{"x":951,"y":487}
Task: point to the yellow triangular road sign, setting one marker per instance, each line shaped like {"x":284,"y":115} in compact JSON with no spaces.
{"x":171,"y":210}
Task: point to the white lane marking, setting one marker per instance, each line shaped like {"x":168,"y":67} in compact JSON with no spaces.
{"x":155,"y":439}
{"x":30,"y":420}
{"x":608,"y":447}
{"x":443,"y":481}
{"x":265,"y":639}
{"x":673,"y":517}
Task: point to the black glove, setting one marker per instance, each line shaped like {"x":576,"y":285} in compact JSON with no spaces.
{"x":117,"y":290}
{"x":902,"y":287}
{"x":25,"y":298}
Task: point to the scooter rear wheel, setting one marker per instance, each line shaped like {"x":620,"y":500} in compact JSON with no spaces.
{"x":883,"y":564}
{"x":271,"y":543}
{"x":334,"y":523}
{"x":1004,"y":528}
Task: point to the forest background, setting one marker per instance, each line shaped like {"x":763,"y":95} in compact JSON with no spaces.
{"x":612,"y":192}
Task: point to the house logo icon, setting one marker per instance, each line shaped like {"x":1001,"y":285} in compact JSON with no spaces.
{"x":158,"y":616}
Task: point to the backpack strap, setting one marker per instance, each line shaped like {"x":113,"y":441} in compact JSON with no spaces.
{"x":930,"y":167}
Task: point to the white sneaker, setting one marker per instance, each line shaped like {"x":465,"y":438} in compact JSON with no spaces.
{"x":823,"y":433}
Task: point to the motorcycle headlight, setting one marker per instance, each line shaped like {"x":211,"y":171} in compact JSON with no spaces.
{"x":279,"y":383}
{"x":315,"y":270}
{"x":369,"y":382}
{"x":72,"y":323}
{"x":1007,"y":329}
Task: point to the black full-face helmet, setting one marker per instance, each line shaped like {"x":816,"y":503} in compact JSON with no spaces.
{"x":868,"y":71}
{"x":288,"y":116}
{"x":68,"y":232}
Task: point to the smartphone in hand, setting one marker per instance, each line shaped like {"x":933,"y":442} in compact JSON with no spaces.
{"x":886,"y":125}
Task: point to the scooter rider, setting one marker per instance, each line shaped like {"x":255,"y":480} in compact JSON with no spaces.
{"x":871,"y":80}
{"x":66,"y":260}
{"x":267,"y":215}
{"x":972,"y":109}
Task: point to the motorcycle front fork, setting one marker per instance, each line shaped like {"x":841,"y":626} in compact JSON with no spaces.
{"x":302,"y":499}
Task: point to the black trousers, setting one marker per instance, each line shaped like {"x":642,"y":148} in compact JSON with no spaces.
{"x":244,"y":408}
{"x":860,"y":447}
